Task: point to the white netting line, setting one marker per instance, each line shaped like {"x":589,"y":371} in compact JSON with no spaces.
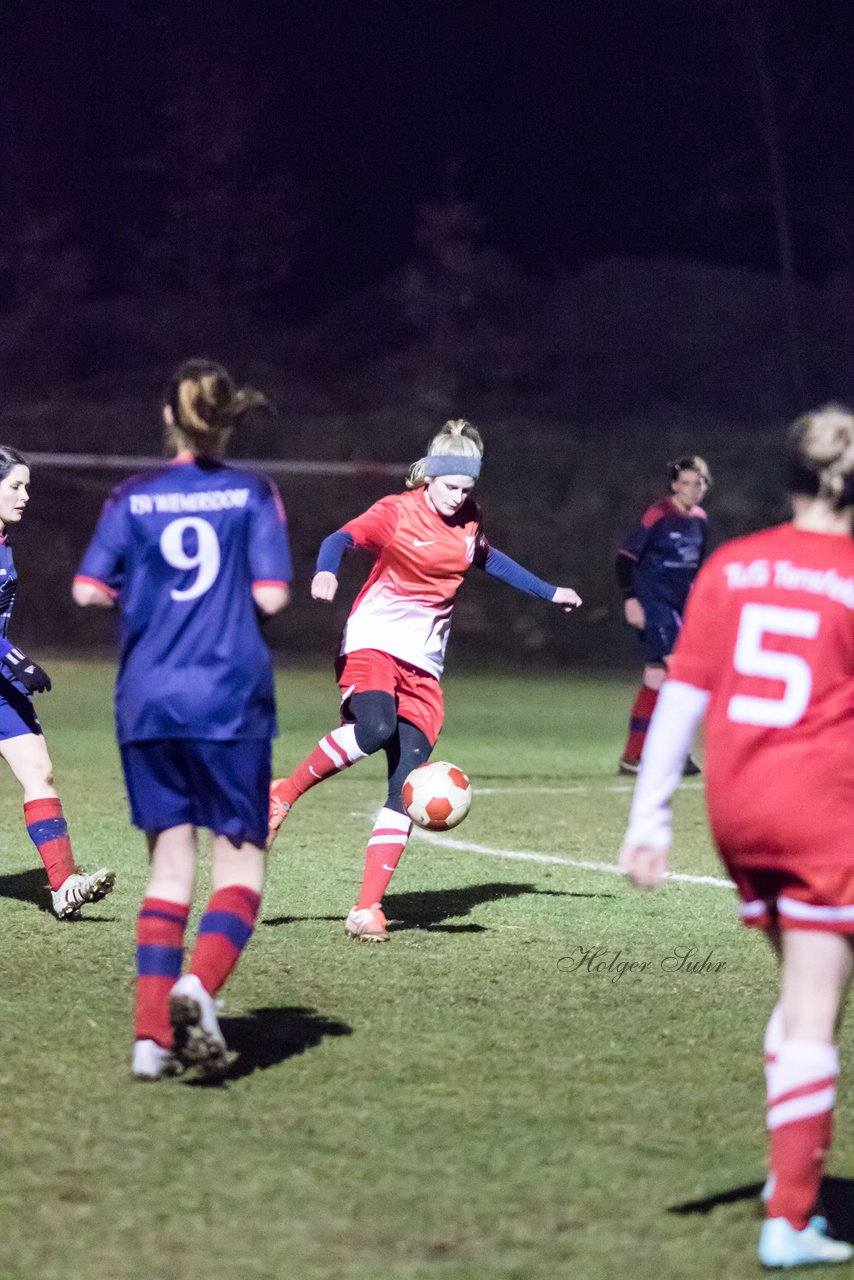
{"x":275,"y":466}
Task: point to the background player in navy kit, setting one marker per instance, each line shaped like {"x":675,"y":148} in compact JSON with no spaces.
{"x":192,"y":553}
{"x":22,"y":743}
{"x":656,"y":565}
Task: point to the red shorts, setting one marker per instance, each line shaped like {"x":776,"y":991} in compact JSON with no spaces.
{"x":417,"y":694}
{"x":820,"y":897}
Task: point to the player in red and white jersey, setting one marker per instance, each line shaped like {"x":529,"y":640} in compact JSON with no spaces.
{"x":767,"y":655}
{"x":393,"y":647}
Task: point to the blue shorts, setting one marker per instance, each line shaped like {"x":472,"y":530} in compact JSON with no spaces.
{"x":17,"y":713}
{"x":224,"y":786}
{"x":659,"y":636}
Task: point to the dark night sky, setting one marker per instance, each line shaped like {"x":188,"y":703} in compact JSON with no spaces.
{"x":578,"y":129}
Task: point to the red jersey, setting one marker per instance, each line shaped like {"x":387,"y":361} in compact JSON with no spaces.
{"x":769,"y":632}
{"x":405,"y":606}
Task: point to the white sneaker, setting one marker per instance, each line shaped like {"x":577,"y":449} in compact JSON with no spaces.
{"x":151,"y":1061}
{"x":80,"y":888}
{"x":367,"y":923}
{"x":199,"y":1042}
{"x":782,"y":1245}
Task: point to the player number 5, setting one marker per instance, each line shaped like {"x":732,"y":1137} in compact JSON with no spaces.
{"x":750,"y":659}
{"x":205,"y":559}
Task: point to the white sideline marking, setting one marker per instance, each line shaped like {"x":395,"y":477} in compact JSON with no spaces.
{"x":519,"y":855}
{"x":532,"y":791}
{"x":623,"y":787}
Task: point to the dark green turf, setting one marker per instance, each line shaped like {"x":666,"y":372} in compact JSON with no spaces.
{"x":474,"y":1101}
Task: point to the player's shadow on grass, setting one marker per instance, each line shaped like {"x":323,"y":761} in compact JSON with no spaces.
{"x":836,"y":1202}
{"x":27,"y":886}
{"x":31,"y":886}
{"x":428,"y":909}
{"x":266,"y":1037}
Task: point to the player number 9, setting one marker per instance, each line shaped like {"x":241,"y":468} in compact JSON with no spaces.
{"x":205,"y":559}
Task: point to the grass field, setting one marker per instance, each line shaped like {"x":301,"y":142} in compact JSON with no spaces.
{"x":474,"y":1101}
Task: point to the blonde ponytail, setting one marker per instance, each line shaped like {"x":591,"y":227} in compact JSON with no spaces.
{"x":457,"y":438}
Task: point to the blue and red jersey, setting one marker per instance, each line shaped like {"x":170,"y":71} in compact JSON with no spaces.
{"x":667,"y":547}
{"x":180,"y":549}
{"x":8,"y":585}
{"x":8,"y":590}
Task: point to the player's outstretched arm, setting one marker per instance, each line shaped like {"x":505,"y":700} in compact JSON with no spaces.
{"x":324,"y":585}
{"x":566,"y":598}
{"x":498,"y":565}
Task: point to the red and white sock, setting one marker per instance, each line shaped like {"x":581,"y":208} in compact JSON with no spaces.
{"x":801,"y":1097}
{"x":47,"y":828}
{"x":644,"y":705}
{"x":385,"y":846}
{"x":337,"y":751}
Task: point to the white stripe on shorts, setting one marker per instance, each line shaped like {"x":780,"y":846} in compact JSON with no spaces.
{"x":807,"y":911}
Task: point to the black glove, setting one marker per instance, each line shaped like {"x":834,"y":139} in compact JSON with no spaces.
{"x":33,"y":677}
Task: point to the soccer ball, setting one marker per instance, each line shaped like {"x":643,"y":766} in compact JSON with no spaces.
{"x":437,"y":795}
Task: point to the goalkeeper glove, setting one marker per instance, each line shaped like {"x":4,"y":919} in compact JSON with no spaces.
{"x":33,"y":677}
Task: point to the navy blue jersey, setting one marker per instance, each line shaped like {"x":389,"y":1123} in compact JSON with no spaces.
{"x":8,"y":585}
{"x":667,"y":546}
{"x":8,"y":588}
{"x":181,"y":549}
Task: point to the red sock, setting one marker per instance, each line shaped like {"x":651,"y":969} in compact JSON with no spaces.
{"x":642,"y":710}
{"x":48,"y":831}
{"x":387,"y":842}
{"x":337,"y":751}
{"x":160,"y":929}
{"x":224,"y":931}
{"x":800,"y":1120}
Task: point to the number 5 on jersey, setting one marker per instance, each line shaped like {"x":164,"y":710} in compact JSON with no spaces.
{"x":206,"y":559}
{"x":750,"y":659}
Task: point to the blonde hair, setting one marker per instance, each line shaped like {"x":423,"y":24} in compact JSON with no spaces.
{"x":456,"y":437}
{"x":821,"y":454}
{"x":205,"y":406}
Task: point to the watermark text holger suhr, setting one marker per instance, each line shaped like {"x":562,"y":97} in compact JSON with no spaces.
{"x":605,"y":963}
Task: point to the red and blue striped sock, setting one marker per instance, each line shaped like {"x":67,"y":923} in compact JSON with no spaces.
{"x":644,"y":705}
{"x":224,"y":931}
{"x":48,"y":830}
{"x":160,"y":929}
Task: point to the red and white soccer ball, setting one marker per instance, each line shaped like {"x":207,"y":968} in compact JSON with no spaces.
{"x":437,"y":795}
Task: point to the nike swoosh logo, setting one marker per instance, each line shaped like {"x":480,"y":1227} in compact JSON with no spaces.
{"x":420,"y":542}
